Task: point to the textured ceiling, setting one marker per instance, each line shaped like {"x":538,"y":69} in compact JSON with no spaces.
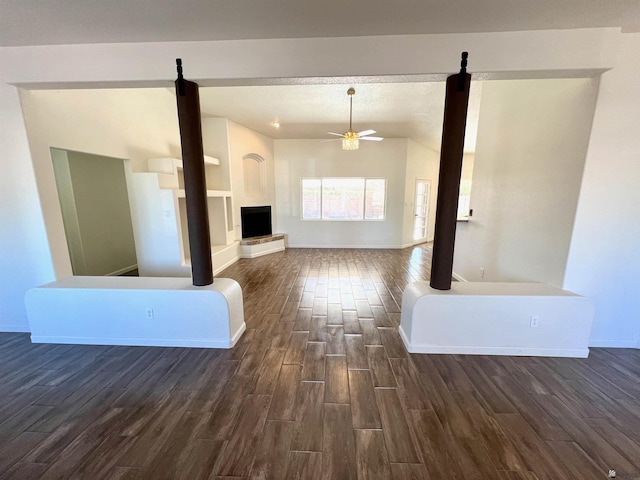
{"x":45,"y":22}
{"x":394,"y":110}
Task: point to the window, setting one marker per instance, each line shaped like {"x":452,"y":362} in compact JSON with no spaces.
{"x":343,"y":198}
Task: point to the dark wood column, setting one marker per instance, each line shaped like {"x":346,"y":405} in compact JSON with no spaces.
{"x":195,"y":184}
{"x":455,"y":121}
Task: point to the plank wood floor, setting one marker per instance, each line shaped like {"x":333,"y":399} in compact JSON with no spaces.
{"x":319,"y":387}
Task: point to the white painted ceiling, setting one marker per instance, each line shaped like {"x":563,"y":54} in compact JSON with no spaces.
{"x":394,"y":110}
{"x":45,"y":22}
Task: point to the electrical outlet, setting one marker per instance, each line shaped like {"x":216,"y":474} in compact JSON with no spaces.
{"x":481,"y":272}
{"x":149,"y":312}
{"x":535,"y":321}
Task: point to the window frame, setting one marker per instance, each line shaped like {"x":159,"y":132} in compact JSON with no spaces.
{"x":364,"y":201}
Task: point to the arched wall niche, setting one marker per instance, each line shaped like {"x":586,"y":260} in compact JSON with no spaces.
{"x":254,"y":174}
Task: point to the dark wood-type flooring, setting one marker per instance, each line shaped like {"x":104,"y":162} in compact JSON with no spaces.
{"x":319,"y":387}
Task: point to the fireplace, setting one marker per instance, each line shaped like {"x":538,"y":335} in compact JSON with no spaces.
{"x":256,"y":221}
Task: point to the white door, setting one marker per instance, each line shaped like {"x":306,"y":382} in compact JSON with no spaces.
{"x":421,"y":211}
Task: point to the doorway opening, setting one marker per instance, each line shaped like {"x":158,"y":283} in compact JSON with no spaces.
{"x":94,"y":200}
{"x":421,"y":211}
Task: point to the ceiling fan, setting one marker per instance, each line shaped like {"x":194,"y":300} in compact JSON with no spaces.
{"x":351,"y":139}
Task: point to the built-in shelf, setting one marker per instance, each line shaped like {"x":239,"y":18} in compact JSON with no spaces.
{"x":170,"y":165}
{"x":219,"y":202}
{"x":180,"y":193}
{"x":171,"y":173}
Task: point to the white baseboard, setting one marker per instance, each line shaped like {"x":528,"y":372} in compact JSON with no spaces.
{"x":264,"y":252}
{"x":507,"y":351}
{"x":11,"y":328}
{"x":217,"y":270}
{"x":613,"y":344}
{"x":122,"y":270}
{"x":144,"y":342}
{"x":459,"y":278}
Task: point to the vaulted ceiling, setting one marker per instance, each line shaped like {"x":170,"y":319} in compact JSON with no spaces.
{"x":394,"y":110}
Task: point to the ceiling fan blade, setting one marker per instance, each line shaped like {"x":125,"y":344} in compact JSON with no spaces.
{"x":338,"y":134}
{"x":329,"y":140}
{"x":375,"y":139}
{"x":366,"y":132}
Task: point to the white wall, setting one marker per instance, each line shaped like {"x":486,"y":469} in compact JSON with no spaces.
{"x":103,"y":214}
{"x":604,"y":259}
{"x":422,"y":163}
{"x":127,"y":123}
{"x":532,"y":141}
{"x":215,"y":142}
{"x":25,"y":257}
{"x":243,"y":141}
{"x":295,"y":159}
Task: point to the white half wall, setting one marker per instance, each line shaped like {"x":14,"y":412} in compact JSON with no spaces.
{"x":604,"y":258}
{"x":530,"y":153}
{"x":485,"y":318}
{"x":164,"y":312}
{"x":297,"y":159}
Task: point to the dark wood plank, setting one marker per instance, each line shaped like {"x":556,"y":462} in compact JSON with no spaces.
{"x":15,"y":449}
{"x":334,"y":313}
{"x":537,"y":455}
{"x":199,"y":459}
{"x":363,"y":309}
{"x":239,"y":454}
{"x":269,"y":372}
{"x":284,"y":396}
{"x":318,"y":329}
{"x":302,"y":320}
{"x":380,"y":316}
{"x":338,"y":451}
{"x":320,"y":306}
{"x":335,"y":340}
{"x":351,"y":322}
{"x":380,"y":367}
{"x":364,"y":408}
{"x":410,"y":387}
{"x":296,"y":348}
{"x":314,"y":358}
{"x":434,"y":445}
{"x":356,"y":353}
{"x":336,"y":380}
{"x":392,"y":343}
{"x":25,"y":471}
{"x":394,"y":426}
{"x":273,"y":451}
{"x":304,"y":466}
{"x":370,"y":334}
{"x":309,"y":412}
{"x":408,"y":471}
{"x":535,"y":415}
{"x":371,"y":455}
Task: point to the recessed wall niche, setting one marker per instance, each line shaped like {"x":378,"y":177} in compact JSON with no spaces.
{"x":254,"y":175}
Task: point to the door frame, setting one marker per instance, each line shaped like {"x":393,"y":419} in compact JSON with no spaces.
{"x":415,"y":195}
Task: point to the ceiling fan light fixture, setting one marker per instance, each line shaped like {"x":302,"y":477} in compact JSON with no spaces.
{"x":350,"y":141}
